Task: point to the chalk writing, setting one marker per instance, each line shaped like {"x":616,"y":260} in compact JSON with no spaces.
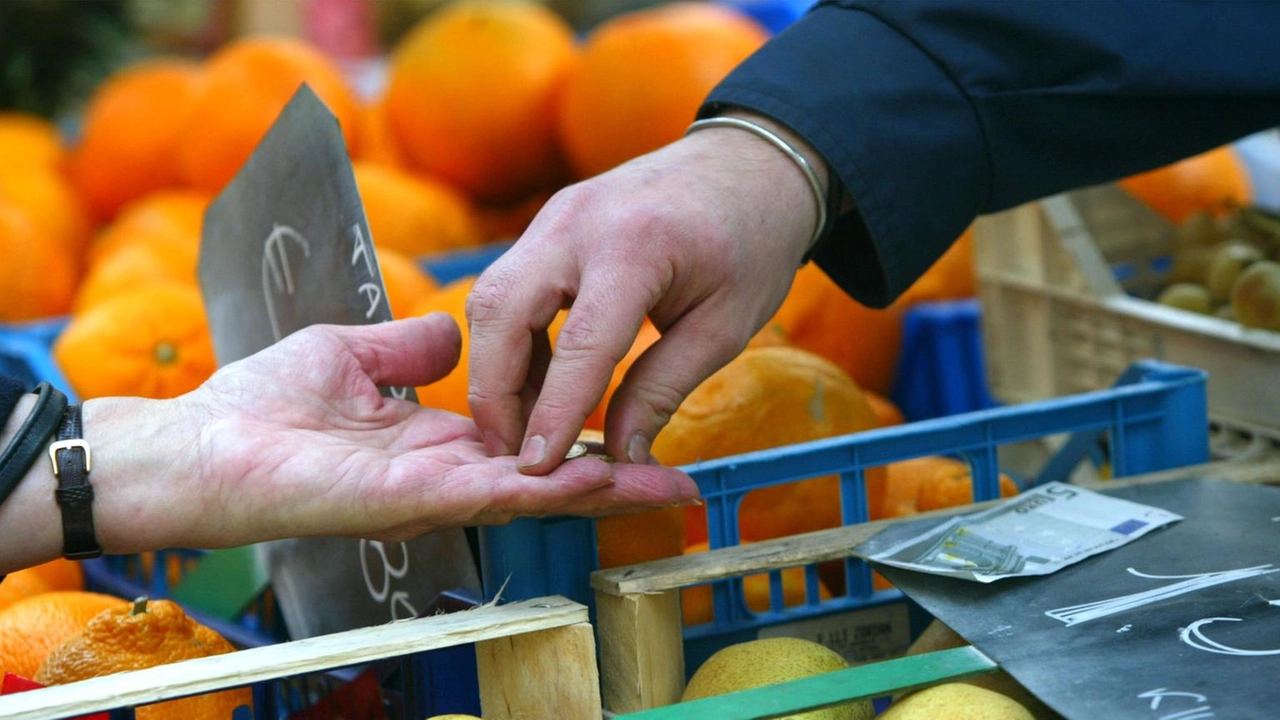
{"x":1195,"y":637}
{"x":1076,"y":614}
{"x":277,"y":275}
{"x":1159,"y":695}
{"x":380,"y":587}
{"x":362,"y":253}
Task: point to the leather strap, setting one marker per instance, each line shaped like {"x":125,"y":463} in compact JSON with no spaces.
{"x":72,"y":462}
{"x":32,"y":437}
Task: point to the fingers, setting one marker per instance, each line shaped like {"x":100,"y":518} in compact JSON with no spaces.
{"x":599,"y":330}
{"x":409,"y":352}
{"x":687,"y":354}
{"x":509,"y":309}
{"x":583,"y":487}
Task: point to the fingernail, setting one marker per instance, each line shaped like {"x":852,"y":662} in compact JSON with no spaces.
{"x":691,"y":502}
{"x":534,"y":449}
{"x":638,"y":449}
{"x":494,"y":444}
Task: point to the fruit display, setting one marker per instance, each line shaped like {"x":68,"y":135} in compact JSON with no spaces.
{"x":1227,"y":267}
{"x":483,"y":110}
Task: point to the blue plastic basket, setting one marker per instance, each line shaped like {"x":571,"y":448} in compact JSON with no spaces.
{"x":1154,"y":419}
{"x":26,"y":352}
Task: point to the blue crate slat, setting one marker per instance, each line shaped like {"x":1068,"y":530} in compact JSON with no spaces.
{"x":942,"y":367}
{"x":1155,"y":418}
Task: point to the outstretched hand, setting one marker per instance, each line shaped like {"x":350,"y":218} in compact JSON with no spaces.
{"x":704,"y":236}
{"x":297,"y":440}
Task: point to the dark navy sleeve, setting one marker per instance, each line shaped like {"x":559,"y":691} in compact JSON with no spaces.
{"x":934,"y":112}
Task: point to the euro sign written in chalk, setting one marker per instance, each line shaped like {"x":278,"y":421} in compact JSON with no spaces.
{"x":284,"y":246}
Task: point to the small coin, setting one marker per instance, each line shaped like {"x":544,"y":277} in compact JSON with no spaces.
{"x":581,"y":449}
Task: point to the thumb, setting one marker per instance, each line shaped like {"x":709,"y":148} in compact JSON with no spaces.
{"x":659,"y":381}
{"x":413,"y":351}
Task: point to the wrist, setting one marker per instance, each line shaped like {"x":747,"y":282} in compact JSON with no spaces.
{"x":825,"y":192}
{"x":145,"y":476}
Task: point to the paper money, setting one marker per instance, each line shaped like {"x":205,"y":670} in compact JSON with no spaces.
{"x":1036,"y":533}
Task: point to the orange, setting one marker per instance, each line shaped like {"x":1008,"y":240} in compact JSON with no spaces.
{"x":951,"y":277}
{"x":414,"y":214}
{"x":406,"y":282}
{"x":647,"y":336}
{"x":696,"y":601}
{"x":820,"y":317}
{"x":38,"y":275}
{"x":152,"y":341}
{"x":1216,"y":181}
{"x":471,"y":96}
{"x":33,"y":626}
{"x":246,"y":84}
{"x":376,"y":143}
{"x":142,"y":635}
{"x":643,"y":75}
{"x":19,"y":585}
{"x":887,"y":413}
{"x":930,"y":483}
{"x":46,"y":196}
{"x":637,"y":537}
{"x":29,"y":140}
{"x":177,"y":215}
{"x":145,"y":259}
{"x":132,"y":131}
{"x":509,"y":221}
{"x":60,"y":574}
{"x":450,"y":392}
{"x":769,"y":397}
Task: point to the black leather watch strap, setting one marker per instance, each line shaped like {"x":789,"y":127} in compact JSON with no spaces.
{"x":72,"y":462}
{"x":32,"y":438}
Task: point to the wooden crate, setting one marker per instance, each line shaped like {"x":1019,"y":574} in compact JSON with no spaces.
{"x":1057,"y":321}
{"x":535,"y":658}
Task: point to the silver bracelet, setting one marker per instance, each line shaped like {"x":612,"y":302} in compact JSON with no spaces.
{"x":819,"y":197}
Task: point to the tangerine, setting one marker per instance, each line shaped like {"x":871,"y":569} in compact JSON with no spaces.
{"x":769,"y":397}
{"x":1216,"y":181}
{"x":28,"y":140}
{"x":142,"y":635}
{"x":38,"y":275}
{"x":246,"y":84}
{"x":643,"y":75}
{"x":33,"y":626}
{"x":132,"y":131}
{"x":152,"y":341}
{"x":414,"y":214}
{"x":471,"y":96}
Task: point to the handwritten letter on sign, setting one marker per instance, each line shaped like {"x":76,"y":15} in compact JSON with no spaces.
{"x":284,"y":246}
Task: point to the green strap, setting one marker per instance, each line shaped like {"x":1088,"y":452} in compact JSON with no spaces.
{"x":829,"y":689}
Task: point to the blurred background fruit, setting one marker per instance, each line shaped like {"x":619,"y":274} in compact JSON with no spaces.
{"x":643,"y":75}
{"x":132,"y":132}
{"x":245,"y":86}
{"x":471,"y":93}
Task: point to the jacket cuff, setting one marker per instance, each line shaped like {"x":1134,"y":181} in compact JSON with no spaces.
{"x":890,"y":122}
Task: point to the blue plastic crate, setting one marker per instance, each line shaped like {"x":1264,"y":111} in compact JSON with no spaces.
{"x":1154,"y":419}
{"x":26,"y":352}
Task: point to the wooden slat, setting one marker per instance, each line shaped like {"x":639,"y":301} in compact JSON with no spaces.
{"x":830,"y":689}
{"x":544,"y":674}
{"x":641,"y":650}
{"x":685,"y":570}
{"x":325,"y":652}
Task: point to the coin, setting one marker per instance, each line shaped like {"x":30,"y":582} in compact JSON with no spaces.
{"x":580,"y":449}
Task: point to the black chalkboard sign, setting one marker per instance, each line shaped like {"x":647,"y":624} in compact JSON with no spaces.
{"x":284,"y":246}
{"x":1182,"y":624}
